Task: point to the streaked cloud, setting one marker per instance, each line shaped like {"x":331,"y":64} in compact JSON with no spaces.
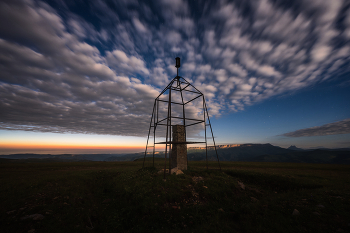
{"x":99,"y":73}
{"x":340,"y":127}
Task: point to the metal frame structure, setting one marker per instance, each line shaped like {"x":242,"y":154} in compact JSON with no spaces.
{"x":181,"y":85}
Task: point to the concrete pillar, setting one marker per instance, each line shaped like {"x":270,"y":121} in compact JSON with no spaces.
{"x":179,"y":151}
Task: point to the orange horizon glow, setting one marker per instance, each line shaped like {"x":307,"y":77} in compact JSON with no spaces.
{"x":64,"y":146}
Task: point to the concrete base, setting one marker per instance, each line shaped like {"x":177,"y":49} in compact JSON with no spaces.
{"x":179,"y":151}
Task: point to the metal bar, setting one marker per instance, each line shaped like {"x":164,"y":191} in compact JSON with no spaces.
{"x":193,"y":99}
{"x":161,"y":120}
{"x":185,"y":87}
{"x":166,"y":101}
{"x":157,"y":109}
{"x":149,"y":130}
{"x":184,"y":118}
{"x":164,"y":90}
{"x":194,"y":123}
{"x":188,"y":119}
{"x":170,"y":134}
{"x":169,"y":142}
{"x":166,"y":137}
{"x":154,"y":134}
{"x":199,"y":93}
{"x":205,"y":135}
{"x":177,"y":89}
{"x":217,"y":156}
{"x":192,"y":85}
{"x":161,"y":124}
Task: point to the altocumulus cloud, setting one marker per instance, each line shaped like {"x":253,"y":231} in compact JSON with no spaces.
{"x":99,"y":69}
{"x":340,"y":127}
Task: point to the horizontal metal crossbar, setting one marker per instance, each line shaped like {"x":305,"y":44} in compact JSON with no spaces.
{"x":178,"y":142}
{"x":183,"y":89}
{"x":194,"y":123}
{"x":167,"y":101}
{"x":188,"y":119}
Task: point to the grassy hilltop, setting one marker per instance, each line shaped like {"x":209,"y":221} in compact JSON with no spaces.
{"x":122,"y":197}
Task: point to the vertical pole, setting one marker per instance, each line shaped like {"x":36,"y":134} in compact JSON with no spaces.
{"x":170,"y":136}
{"x":157,"y":107}
{"x":183,"y":117}
{"x":217,"y":156}
{"x":154,"y":134}
{"x":167,"y":126}
{"x":149,"y":130}
{"x":205,"y":134}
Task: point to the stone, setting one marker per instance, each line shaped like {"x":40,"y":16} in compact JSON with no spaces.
{"x":179,"y":172}
{"x":295,"y":212}
{"x":31,"y":231}
{"x":254,"y":199}
{"x":320,"y":206}
{"x":11,"y":212}
{"x":241,"y":185}
{"x":316,"y":213}
{"x":35,"y":217}
{"x":196,"y":179}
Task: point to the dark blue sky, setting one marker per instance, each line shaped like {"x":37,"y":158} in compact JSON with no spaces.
{"x":271,"y":71}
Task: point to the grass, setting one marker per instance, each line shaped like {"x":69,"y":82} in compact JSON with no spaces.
{"x":122,"y":197}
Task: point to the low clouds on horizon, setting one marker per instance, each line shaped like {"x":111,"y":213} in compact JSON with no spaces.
{"x":60,"y":72}
{"x":339,"y":127}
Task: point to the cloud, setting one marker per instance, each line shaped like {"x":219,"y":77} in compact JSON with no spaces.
{"x":340,"y":127}
{"x":99,"y":72}
{"x":124,"y":64}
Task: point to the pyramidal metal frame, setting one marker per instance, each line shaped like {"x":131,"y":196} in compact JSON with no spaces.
{"x":181,"y":85}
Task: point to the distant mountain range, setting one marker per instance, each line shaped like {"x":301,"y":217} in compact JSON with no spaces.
{"x":234,"y":152}
{"x":270,"y":153}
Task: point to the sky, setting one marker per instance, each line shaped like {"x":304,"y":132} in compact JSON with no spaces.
{"x":82,"y":76}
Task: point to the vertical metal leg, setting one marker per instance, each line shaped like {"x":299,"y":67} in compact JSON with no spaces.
{"x":149,"y":130}
{"x":183,"y":116}
{"x":205,"y":134}
{"x":217,"y":156}
{"x":170,"y":136}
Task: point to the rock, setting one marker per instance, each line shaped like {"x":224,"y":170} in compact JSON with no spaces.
{"x":254,"y":199}
{"x":31,"y":231}
{"x":162,"y":171}
{"x":35,"y":217}
{"x":205,"y":187}
{"x":196,"y":179}
{"x":221,"y":210}
{"x":295,"y":212}
{"x":316,"y":213}
{"x":241,"y":185}
{"x":320,"y":206}
{"x":174,"y":170}
{"x":11,"y":212}
{"x":179,"y":172}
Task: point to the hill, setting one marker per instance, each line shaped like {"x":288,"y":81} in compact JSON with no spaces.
{"x":270,"y":153}
{"x":122,"y":197}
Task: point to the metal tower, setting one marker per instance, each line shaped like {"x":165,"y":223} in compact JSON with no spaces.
{"x":179,"y":94}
